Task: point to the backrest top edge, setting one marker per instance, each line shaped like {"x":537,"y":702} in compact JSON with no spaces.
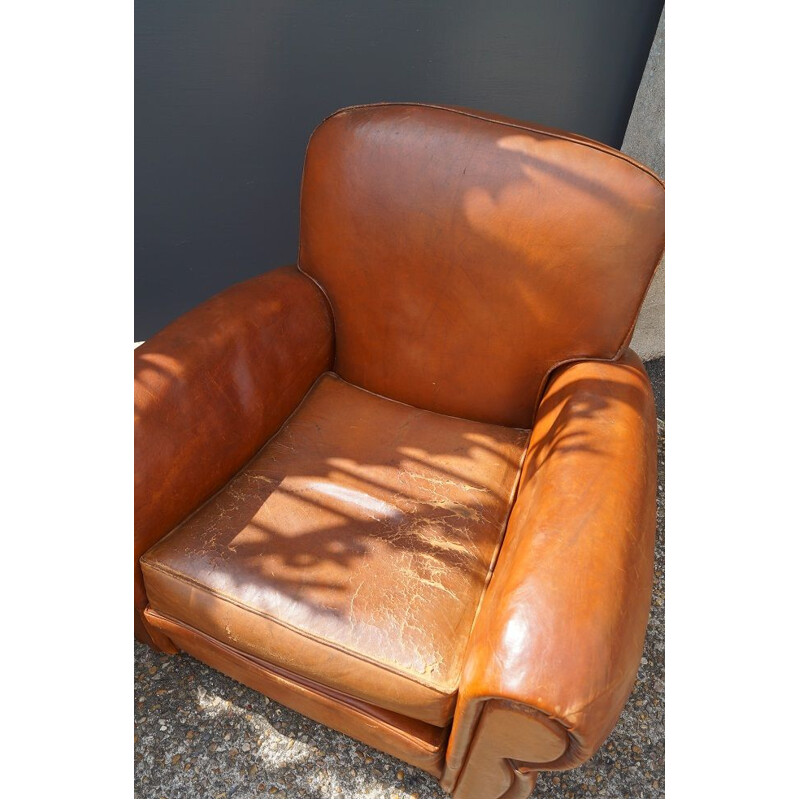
{"x":500,"y":120}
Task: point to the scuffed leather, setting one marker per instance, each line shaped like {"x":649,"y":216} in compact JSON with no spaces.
{"x":408,"y":739}
{"x":352,"y":550}
{"x":453,"y":261}
{"x":562,"y":626}
{"x":209,"y":390}
{"x":466,"y":255}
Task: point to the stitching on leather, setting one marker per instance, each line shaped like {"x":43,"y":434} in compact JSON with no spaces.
{"x":151,"y":561}
{"x":564,"y":136}
{"x":307,"y":684}
{"x":325,"y":295}
{"x":572,"y":754}
{"x":160,"y":567}
{"x":552,"y":133}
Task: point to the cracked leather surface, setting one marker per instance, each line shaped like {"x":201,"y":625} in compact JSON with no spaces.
{"x":354,"y":548}
{"x":465,"y":258}
{"x":210,"y":389}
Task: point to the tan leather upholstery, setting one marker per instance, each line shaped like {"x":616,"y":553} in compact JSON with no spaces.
{"x":408,"y":487}
{"x":352,"y":550}
{"x":416,"y":742}
{"x":464,"y":257}
{"x":211,"y":388}
{"x":561,"y":630}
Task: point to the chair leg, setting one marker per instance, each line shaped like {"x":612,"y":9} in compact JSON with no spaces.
{"x":501,"y":754}
{"x":524,"y":783}
{"x":519,"y":782}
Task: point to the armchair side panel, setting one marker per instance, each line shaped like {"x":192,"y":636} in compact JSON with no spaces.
{"x":561,"y":630}
{"x":209,"y":391}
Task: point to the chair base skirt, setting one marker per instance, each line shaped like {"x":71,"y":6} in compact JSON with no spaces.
{"x":417,"y":743}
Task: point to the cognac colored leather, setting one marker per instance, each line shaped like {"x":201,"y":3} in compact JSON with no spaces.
{"x":211,"y":388}
{"x":561,"y":630}
{"x":352,"y":550}
{"x":465,"y":255}
{"x":414,"y":742}
{"x":407,"y":487}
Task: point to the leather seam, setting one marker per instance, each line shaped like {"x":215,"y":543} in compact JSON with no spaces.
{"x":565,"y":136}
{"x":571,"y":746}
{"x":426,"y":410}
{"x":324,"y":293}
{"x":300,"y":246}
{"x":512,"y":497}
{"x":159,"y":567}
{"x":238,"y":472}
{"x":620,"y":351}
{"x":471,"y":744}
{"x":305,"y":683}
{"x":443,"y":692}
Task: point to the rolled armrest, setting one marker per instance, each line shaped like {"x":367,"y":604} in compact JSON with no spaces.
{"x":210,"y":389}
{"x":558,"y":639}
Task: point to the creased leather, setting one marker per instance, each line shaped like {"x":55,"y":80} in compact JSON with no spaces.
{"x":465,"y":256}
{"x":451,"y":262}
{"x":353,"y":549}
{"x":408,"y":739}
{"x":211,"y":388}
{"x":562,"y":626}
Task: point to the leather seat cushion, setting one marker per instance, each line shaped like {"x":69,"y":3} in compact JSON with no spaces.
{"x":353,"y":549}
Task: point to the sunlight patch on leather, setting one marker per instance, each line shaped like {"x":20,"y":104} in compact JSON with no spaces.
{"x":373,"y":506}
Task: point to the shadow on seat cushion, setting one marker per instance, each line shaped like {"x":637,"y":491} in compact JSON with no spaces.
{"x":352,"y":550}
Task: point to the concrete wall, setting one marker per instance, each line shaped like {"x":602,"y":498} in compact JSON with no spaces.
{"x":644,"y":141}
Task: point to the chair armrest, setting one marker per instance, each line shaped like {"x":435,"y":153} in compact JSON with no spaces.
{"x":558,"y":639}
{"x":210,"y":389}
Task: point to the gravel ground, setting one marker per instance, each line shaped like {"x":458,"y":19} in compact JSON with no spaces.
{"x":656,"y":369}
{"x":198,"y":733}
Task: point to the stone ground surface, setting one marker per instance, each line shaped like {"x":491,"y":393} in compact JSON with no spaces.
{"x":656,"y":368}
{"x":200,"y":734}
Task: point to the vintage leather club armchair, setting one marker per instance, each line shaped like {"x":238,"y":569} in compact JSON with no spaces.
{"x":406,"y":486}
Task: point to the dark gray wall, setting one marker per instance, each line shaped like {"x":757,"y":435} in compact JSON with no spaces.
{"x":227,"y":94}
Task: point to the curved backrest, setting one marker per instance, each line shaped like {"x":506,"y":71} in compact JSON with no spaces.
{"x":465,"y":255}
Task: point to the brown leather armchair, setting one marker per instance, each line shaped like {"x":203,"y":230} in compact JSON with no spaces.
{"x":407,"y":486}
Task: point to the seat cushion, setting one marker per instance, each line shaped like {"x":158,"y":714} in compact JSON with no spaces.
{"x":353,"y":550}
